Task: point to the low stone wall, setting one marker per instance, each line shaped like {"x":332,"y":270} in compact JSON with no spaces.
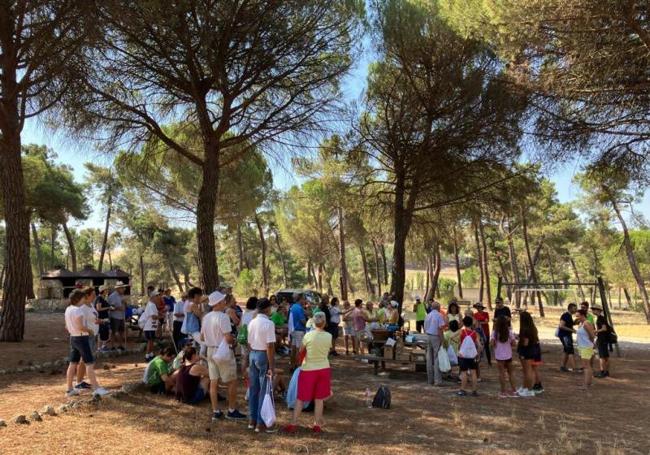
{"x":47,"y":305}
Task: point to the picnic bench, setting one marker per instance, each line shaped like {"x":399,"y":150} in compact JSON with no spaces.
{"x":418,"y":361}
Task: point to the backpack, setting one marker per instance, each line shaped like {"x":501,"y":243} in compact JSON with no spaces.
{"x":382,"y":398}
{"x":467,"y":348}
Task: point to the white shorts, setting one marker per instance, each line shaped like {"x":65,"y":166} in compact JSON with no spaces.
{"x":296,"y":338}
{"x":225,"y":370}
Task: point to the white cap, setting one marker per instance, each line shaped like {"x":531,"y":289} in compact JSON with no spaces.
{"x":394,"y":304}
{"x":215,"y":298}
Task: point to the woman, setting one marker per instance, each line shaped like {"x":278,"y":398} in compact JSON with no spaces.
{"x":526,"y":348}
{"x":585,"y":340}
{"x":453,"y":313}
{"x":314,"y":382}
{"x":483,"y":318}
{"x":335,"y":320}
{"x":246,"y":317}
{"x":192,"y":380}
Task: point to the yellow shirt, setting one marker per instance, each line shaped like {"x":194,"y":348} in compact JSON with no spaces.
{"x":318,"y":344}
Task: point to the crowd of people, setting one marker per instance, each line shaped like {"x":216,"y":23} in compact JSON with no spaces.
{"x":208,"y":331}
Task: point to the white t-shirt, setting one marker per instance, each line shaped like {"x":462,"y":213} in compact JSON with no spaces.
{"x":247,"y":317}
{"x":179,"y":307}
{"x":335,"y":315}
{"x":150,"y":316}
{"x":90,"y":317}
{"x":261,"y":332}
{"x":186,"y":309}
{"x":74,"y":321}
{"x":213,"y":327}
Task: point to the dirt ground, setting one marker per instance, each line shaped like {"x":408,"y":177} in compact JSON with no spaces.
{"x":609,"y":419}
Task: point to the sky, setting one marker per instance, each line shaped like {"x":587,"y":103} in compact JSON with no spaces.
{"x":75,"y":155}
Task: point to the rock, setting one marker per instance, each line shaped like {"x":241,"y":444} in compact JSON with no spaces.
{"x":63,"y":408}
{"x":48,"y":410}
{"x":20,"y":419}
{"x":2,"y":423}
{"x":47,"y":365}
{"x":3,"y":371}
{"x":35,"y":417}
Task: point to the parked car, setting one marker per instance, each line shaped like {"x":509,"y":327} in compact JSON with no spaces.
{"x":313,"y":297}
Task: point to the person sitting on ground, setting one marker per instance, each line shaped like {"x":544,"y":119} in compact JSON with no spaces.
{"x":314,"y":382}
{"x":502,"y":341}
{"x":192,"y":380}
{"x":215,"y":331}
{"x":565,"y":334}
{"x":467,"y":357}
{"x":80,"y":333}
{"x":585,"y":340}
{"x":160,"y":379}
{"x":603,"y":340}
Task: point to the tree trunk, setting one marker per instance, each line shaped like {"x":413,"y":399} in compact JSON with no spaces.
{"x":366,"y":277}
{"x":631,"y":258}
{"x":479,"y":262}
{"x":531,"y":263}
{"x":513,"y":262}
{"x":110,"y":259}
{"x":319,"y":279}
{"x":427,"y":284}
{"x":18,"y":278}
{"x":109,"y":204}
{"x":577,"y":275}
{"x":343,"y":269}
{"x":2,"y":277}
{"x":177,"y":279}
{"x":72,"y":250}
{"x":437,"y":265}
{"x":282,"y":258}
{"x":385,"y":263}
{"x":265,"y":276}
{"x":142,"y":275}
{"x":627,"y":298}
{"x":52,"y":242}
{"x":205,"y":210}
{"x":377,"y":267}
{"x":485,"y":265}
{"x":457,"y":263}
{"x":309,"y":279}
{"x":37,"y":247}
{"x":240,"y":249}
{"x":551,"y":270}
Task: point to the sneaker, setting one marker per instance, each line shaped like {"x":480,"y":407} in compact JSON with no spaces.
{"x":235,"y":415}
{"x":564,"y":369}
{"x":72,"y":393}
{"x":100,"y":391}
{"x":537,"y":388}
{"x":461,"y":393}
{"x":316,"y":429}
{"x":217,"y":415}
{"x":83,"y":385}
{"x":526,"y":393}
{"x":271,"y":430}
{"x":251,"y":426}
{"x":290,"y":429}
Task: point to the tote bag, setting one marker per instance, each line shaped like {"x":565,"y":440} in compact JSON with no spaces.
{"x":268,"y":406}
{"x":443,"y":360}
{"x":222,"y":353}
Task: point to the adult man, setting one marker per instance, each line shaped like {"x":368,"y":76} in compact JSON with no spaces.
{"x":216,"y":330}
{"x":299,"y":321}
{"x":501,"y":310}
{"x":79,"y":344}
{"x":261,"y":344}
{"x":433,"y":327}
{"x":565,"y":333}
{"x":420,"y":314}
{"x":117,"y":315}
{"x":603,"y":339}
{"x":169,"y":301}
{"x":150,"y":316}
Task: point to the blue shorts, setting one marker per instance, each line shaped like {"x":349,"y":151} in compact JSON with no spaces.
{"x":199,"y":395}
{"x":80,"y":350}
{"x":149,"y":335}
{"x":567,"y":344}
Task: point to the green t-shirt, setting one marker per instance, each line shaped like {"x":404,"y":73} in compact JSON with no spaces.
{"x":420,"y":312}
{"x":278,"y":319}
{"x":590,"y":318}
{"x":318,"y":344}
{"x":453,"y":339}
{"x":157,"y":368}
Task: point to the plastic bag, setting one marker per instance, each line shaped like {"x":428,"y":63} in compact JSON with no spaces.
{"x":242,"y":335}
{"x":222,"y":353}
{"x":443,"y":360}
{"x":268,"y":406}
{"x":453,"y":358}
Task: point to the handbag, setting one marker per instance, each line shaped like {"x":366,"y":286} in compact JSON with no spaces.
{"x":268,"y":406}
{"x":222,"y":353}
{"x":443,"y":360}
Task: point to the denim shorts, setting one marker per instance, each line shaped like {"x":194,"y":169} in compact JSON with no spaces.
{"x":80,"y":350}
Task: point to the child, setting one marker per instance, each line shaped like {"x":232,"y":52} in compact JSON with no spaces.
{"x":530,"y":356}
{"x":467,"y":354}
{"x":452,"y":339}
{"x":502,"y":340}
{"x":348,"y":329}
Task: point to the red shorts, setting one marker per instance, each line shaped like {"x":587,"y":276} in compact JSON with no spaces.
{"x":315,"y":384}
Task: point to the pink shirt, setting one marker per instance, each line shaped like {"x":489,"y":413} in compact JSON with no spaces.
{"x":503,"y":351}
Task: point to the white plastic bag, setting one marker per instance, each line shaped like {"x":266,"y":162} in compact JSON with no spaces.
{"x":222,"y":353}
{"x":453,"y":358}
{"x":268,"y":406}
{"x":443,"y":360}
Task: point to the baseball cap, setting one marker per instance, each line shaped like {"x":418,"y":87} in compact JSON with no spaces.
{"x":215,"y":298}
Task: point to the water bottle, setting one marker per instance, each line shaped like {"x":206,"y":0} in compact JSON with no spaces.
{"x":368,"y":399}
